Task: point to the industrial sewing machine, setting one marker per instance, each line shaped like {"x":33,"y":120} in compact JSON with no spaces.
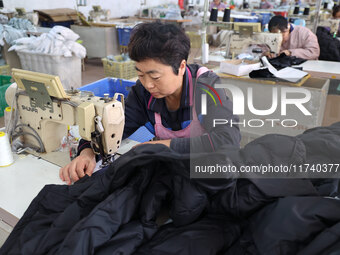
{"x":244,"y":35}
{"x":43,"y":110}
{"x":97,"y":13}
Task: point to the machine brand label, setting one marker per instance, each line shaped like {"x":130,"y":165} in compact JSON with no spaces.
{"x":29,"y":109}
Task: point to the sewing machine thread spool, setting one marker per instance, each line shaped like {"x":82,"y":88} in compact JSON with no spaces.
{"x":226,"y":16}
{"x":296,"y":10}
{"x":306,"y":11}
{"x":213,"y":14}
{"x":6,"y":157}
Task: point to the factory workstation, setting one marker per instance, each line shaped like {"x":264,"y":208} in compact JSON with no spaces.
{"x":178,"y":127}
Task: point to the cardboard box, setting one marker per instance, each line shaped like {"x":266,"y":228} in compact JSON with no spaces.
{"x":239,"y":67}
{"x":332,"y":110}
{"x":57,"y":15}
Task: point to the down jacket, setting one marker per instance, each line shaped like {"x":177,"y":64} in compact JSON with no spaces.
{"x":118,"y":211}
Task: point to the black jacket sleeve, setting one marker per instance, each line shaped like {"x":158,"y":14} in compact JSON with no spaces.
{"x":135,"y":110}
{"x":214,"y":136}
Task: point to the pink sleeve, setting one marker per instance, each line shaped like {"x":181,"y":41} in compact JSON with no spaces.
{"x":310,"y":47}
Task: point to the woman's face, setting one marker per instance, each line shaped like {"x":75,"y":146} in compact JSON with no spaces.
{"x":285,"y":33}
{"x":217,"y":2}
{"x":337,"y":15}
{"x":159,"y":79}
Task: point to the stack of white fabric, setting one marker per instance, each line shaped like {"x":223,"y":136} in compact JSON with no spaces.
{"x":10,"y":34}
{"x":59,"y":41}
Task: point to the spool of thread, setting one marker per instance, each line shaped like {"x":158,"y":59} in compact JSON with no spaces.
{"x":306,"y":11}
{"x":6,"y":157}
{"x":296,"y":10}
{"x":226,"y":16}
{"x":325,"y":5}
{"x":213,"y":14}
{"x":205,"y":53}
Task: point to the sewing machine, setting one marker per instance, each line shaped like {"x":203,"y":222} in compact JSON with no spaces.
{"x":239,"y":42}
{"x":97,"y":13}
{"x":44,"y":110}
{"x":333,"y":24}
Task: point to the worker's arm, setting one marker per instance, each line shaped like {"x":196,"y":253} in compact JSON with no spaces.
{"x":85,"y":162}
{"x":310,"y":49}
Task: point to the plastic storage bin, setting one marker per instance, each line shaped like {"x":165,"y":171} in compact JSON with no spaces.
{"x":112,"y":86}
{"x":109,"y":85}
{"x":195,"y":39}
{"x":61,"y":23}
{"x":5,"y":70}
{"x":67,"y":68}
{"x":5,"y":82}
{"x":124,"y":70}
{"x":124,"y":35}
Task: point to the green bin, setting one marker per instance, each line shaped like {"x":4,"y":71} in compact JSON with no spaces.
{"x":5,"y":82}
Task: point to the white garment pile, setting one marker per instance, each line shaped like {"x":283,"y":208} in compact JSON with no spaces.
{"x":59,"y":41}
{"x":10,"y":34}
{"x":22,"y":24}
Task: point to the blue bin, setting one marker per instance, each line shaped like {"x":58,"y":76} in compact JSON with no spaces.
{"x":109,"y":85}
{"x":265,"y":18}
{"x":112,"y":86}
{"x":124,"y":35}
{"x":52,"y":24}
{"x":253,"y":19}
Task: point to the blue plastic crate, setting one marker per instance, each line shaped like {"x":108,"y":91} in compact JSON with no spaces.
{"x":61,"y":23}
{"x":109,"y":85}
{"x":124,"y":35}
{"x":112,"y":86}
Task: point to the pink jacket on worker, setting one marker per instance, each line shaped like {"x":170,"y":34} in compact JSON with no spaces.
{"x":302,"y":43}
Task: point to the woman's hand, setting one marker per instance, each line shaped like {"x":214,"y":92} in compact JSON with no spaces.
{"x":269,"y":54}
{"x":81,"y":165}
{"x":287,"y":52}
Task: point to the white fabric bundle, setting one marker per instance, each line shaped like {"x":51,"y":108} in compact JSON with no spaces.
{"x":59,"y":41}
{"x":10,"y":34}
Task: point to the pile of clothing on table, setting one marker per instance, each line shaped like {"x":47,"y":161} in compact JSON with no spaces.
{"x":115,"y":212}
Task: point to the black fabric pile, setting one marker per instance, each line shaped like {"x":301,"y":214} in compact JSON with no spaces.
{"x":115,"y":212}
{"x":279,"y":62}
{"x":329,"y":46}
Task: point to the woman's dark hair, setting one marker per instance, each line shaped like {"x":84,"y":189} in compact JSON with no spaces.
{"x":166,"y":43}
{"x":336,"y":9}
{"x":278,"y":22}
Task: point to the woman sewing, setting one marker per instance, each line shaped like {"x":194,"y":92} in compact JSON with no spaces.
{"x":167,"y":99}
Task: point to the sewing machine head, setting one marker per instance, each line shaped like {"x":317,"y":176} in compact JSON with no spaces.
{"x":44,"y":110}
{"x":238,"y":42}
{"x":97,"y":13}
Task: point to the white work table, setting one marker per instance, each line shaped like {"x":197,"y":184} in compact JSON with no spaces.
{"x":322,"y":69}
{"x":23,"y":180}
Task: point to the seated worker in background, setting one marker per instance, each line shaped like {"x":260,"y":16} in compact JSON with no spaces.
{"x":284,"y":3}
{"x":336,"y":15}
{"x":297,"y":41}
{"x":264,"y":4}
{"x":218,"y":5}
{"x":336,"y":12}
{"x":167,"y":99}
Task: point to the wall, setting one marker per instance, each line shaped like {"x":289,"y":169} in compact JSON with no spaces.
{"x":118,"y":7}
